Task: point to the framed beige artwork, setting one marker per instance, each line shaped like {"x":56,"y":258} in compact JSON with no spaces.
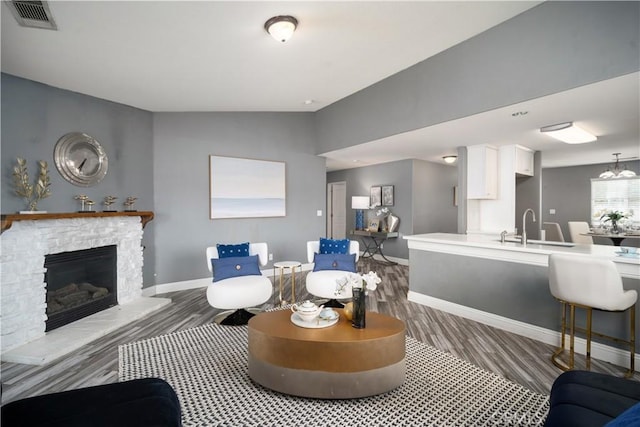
{"x":246,"y":188}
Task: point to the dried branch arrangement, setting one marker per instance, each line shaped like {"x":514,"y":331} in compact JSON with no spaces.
{"x":31,"y":194}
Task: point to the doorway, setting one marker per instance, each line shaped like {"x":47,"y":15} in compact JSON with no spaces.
{"x":337,"y":210}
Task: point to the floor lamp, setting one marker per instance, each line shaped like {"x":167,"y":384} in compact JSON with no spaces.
{"x":359,"y":203}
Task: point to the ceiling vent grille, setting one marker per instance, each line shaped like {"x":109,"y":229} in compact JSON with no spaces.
{"x":34,"y":14}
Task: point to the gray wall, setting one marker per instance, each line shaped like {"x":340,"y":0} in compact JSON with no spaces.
{"x":568,"y":191}
{"x":359,"y":182}
{"x":182,"y":145}
{"x":432,"y":198}
{"x":423,"y":198}
{"x":163,"y":160}
{"x":553,"y":47}
{"x":529,"y":195}
{"x":35,"y":116}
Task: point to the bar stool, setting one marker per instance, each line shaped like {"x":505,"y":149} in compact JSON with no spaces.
{"x":589,"y":283}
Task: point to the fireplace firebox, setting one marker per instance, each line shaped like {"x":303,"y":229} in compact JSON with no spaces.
{"x":80,"y":283}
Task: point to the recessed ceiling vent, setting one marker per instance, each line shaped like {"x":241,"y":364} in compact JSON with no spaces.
{"x":34,"y":14}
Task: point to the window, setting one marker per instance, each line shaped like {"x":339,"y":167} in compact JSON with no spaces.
{"x":619,"y":194}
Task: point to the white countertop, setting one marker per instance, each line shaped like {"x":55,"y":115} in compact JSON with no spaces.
{"x":490,"y":247}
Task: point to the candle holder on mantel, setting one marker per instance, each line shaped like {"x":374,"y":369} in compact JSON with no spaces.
{"x":86,"y":205}
{"x":107,"y":202}
{"x":128,"y":204}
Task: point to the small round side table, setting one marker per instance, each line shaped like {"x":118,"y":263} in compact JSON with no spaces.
{"x":281,"y":266}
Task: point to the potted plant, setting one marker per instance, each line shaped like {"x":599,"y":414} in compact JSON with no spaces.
{"x":613,"y":217}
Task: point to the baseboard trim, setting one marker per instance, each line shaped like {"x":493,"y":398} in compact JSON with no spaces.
{"x":400,"y":261}
{"x":598,"y":350}
{"x":175,"y":286}
{"x":163,"y":288}
{"x":203,"y":283}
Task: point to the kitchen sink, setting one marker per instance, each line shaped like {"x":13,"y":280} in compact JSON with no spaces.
{"x":541,"y":242}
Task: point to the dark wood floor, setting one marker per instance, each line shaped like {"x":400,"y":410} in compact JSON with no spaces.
{"x":519,"y":359}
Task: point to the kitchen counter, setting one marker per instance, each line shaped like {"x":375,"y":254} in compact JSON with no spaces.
{"x":506,"y":285}
{"x":489,"y":247}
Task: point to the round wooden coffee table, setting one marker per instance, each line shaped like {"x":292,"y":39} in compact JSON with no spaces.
{"x":337,"y":362}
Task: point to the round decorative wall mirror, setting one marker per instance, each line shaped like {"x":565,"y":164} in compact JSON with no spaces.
{"x":80,"y":159}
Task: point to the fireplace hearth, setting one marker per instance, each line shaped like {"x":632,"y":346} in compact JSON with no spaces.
{"x":79,"y":284}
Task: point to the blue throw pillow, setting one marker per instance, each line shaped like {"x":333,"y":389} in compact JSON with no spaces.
{"x":331,"y":246}
{"x":226,"y":251}
{"x":630,"y":417}
{"x":225,"y":268}
{"x":343,"y":262}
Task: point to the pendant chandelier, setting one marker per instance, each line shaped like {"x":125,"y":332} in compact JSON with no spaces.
{"x":616,"y":172}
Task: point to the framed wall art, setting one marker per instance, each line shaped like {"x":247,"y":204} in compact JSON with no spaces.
{"x":387,"y":195}
{"x":376,"y":196}
{"x":246,"y":188}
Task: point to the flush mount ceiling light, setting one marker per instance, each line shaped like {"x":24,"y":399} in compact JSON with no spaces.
{"x":281,"y":27}
{"x":616,"y":172}
{"x":569,"y":133}
{"x":450,"y":159}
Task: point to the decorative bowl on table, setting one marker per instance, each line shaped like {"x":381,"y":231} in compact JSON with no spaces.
{"x":317,"y":323}
{"x":328,"y":314}
{"x":628,"y":252}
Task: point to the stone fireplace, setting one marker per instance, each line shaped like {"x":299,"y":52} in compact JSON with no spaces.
{"x":25,"y":245}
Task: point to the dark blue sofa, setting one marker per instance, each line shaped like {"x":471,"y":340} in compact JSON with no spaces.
{"x":144,"y":402}
{"x":589,"y":399}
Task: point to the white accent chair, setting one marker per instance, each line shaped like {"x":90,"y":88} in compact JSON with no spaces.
{"x":589,"y":283}
{"x":576,"y":228}
{"x":552,"y":231}
{"x":235,"y":294}
{"x":323,"y":283}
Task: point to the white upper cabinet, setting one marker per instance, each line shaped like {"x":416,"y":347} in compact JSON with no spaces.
{"x":482,"y":172}
{"x":524,"y":161}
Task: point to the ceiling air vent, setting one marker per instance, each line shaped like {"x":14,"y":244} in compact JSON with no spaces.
{"x":34,"y":14}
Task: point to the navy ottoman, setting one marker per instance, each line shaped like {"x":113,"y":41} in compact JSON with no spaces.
{"x":142,"y":402}
{"x":589,"y":399}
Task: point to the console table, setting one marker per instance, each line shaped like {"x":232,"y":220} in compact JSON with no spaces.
{"x":372,"y":242}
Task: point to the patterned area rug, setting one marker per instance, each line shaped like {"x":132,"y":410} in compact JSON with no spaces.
{"x":207,"y":366}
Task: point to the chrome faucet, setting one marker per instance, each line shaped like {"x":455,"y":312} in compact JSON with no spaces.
{"x":524,"y":224}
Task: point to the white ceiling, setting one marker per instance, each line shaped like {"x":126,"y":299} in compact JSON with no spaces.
{"x":216,"y":56}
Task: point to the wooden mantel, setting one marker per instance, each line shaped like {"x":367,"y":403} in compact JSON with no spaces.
{"x":8,"y":219}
